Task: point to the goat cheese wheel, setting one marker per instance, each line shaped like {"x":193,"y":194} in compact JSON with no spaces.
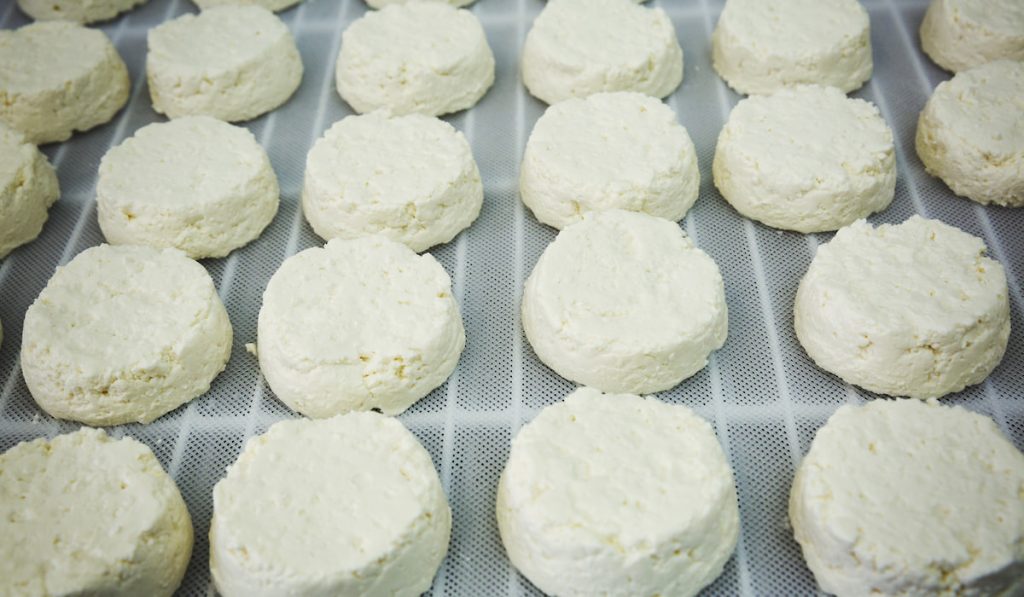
{"x":806,"y":158}
{"x":580,"y":47}
{"x":230,"y":62}
{"x":124,"y":335}
{"x":962,"y":34}
{"x":410,"y":178}
{"x":617,"y":495}
{"x":619,"y":150}
{"x":914,"y":309}
{"x":85,"y":514}
{"x":195,"y":183}
{"x":907,"y":497}
{"x":624,"y":302}
{"x":356,"y":325}
{"x":349,"y":505}
{"x":78,"y":11}
{"x":28,"y":187}
{"x":421,"y":57}
{"x":760,"y":46}
{"x":971,"y":133}
{"x":58,"y":77}
{"x":382,"y":3}
{"x":274,"y":5}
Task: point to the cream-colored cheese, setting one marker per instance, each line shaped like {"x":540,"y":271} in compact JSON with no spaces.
{"x":230,"y":62}
{"x":580,"y":47}
{"x":914,"y":309}
{"x":962,"y":34}
{"x":617,"y":495}
{"x":410,"y":178}
{"x":124,"y":334}
{"x":624,"y":302}
{"x":57,"y":77}
{"x":971,"y":133}
{"x":908,"y":497}
{"x":806,"y":158}
{"x":344,"y":506}
{"x":358,"y":324}
{"x":28,"y":187}
{"x":421,"y":57}
{"x":619,"y":150}
{"x":84,"y":514}
{"x":760,"y":46}
{"x":79,"y":11}
{"x":195,"y":183}
{"x":274,"y":5}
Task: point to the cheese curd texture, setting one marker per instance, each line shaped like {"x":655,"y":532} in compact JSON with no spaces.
{"x":195,"y":183}
{"x":420,"y":57}
{"x":971,"y":133}
{"x":620,"y":150}
{"x":274,"y":5}
{"x":580,"y":47}
{"x":78,"y":11}
{"x":962,"y":34}
{"x":230,"y":62}
{"x":358,"y":324}
{"x":349,"y":505}
{"x":760,"y":46}
{"x":124,"y":334}
{"x":806,"y":158}
{"x":914,"y":309}
{"x":624,"y":302}
{"x":617,"y":495}
{"x":410,"y":178}
{"x":58,"y":77}
{"x":28,"y":187}
{"x":85,"y":514}
{"x":907,"y":497}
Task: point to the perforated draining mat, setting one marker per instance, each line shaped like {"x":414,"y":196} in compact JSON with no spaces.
{"x":763,"y":395}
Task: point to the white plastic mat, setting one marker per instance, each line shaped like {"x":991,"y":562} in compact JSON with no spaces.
{"x":761,"y":392}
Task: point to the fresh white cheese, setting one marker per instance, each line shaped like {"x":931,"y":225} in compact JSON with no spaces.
{"x":962,"y":34}
{"x":28,"y":187}
{"x":78,"y":11}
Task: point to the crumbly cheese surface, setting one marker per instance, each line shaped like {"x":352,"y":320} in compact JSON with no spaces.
{"x":617,"y":495}
{"x":410,"y":178}
{"x":58,"y":77}
{"x":624,"y":302}
{"x":914,"y":309}
{"x":908,"y":497}
{"x":274,"y":5}
{"x":84,"y":514}
{"x":357,"y":508}
{"x":580,"y":47}
{"x":962,"y":34}
{"x":971,"y":133}
{"x":124,"y":334}
{"x":806,"y":158}
{"x":420,"y":57}
{"x":358,"y":324}
{"x":621,"y":150}
{"x":760,"y":46}
{"x":28,"y":187}
{"x":195,"y":183}
{"x":230,"y":62}
{"x":79,"y":11}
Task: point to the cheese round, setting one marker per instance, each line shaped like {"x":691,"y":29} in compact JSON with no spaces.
{"x":79,"y":11}
{"x":85,"y":514}
{"x":421,"y":57}
{"x":806,"y":158}
{"x":410,"y":178}
{"x":907,"y":497}
{"x":971,"y":133}
{"x":383,"y":3}
{"x":617,"y":495}
{"x":196,"y":184}
{"x":580,"y":47}
{"x":914,"y":309}
{"x":370,"y":518}
{"x":357,"y":325}
{"x":274,"y":5}
{"x":28,"y":187}
{"x":619,"y":150}
{"x":624,"y":302}
{"x":962,"y":34}
{"x":760,"y":46}
{"x":230,"y":62}
{"x":124,"y":334}
{"x":57,"y":78}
